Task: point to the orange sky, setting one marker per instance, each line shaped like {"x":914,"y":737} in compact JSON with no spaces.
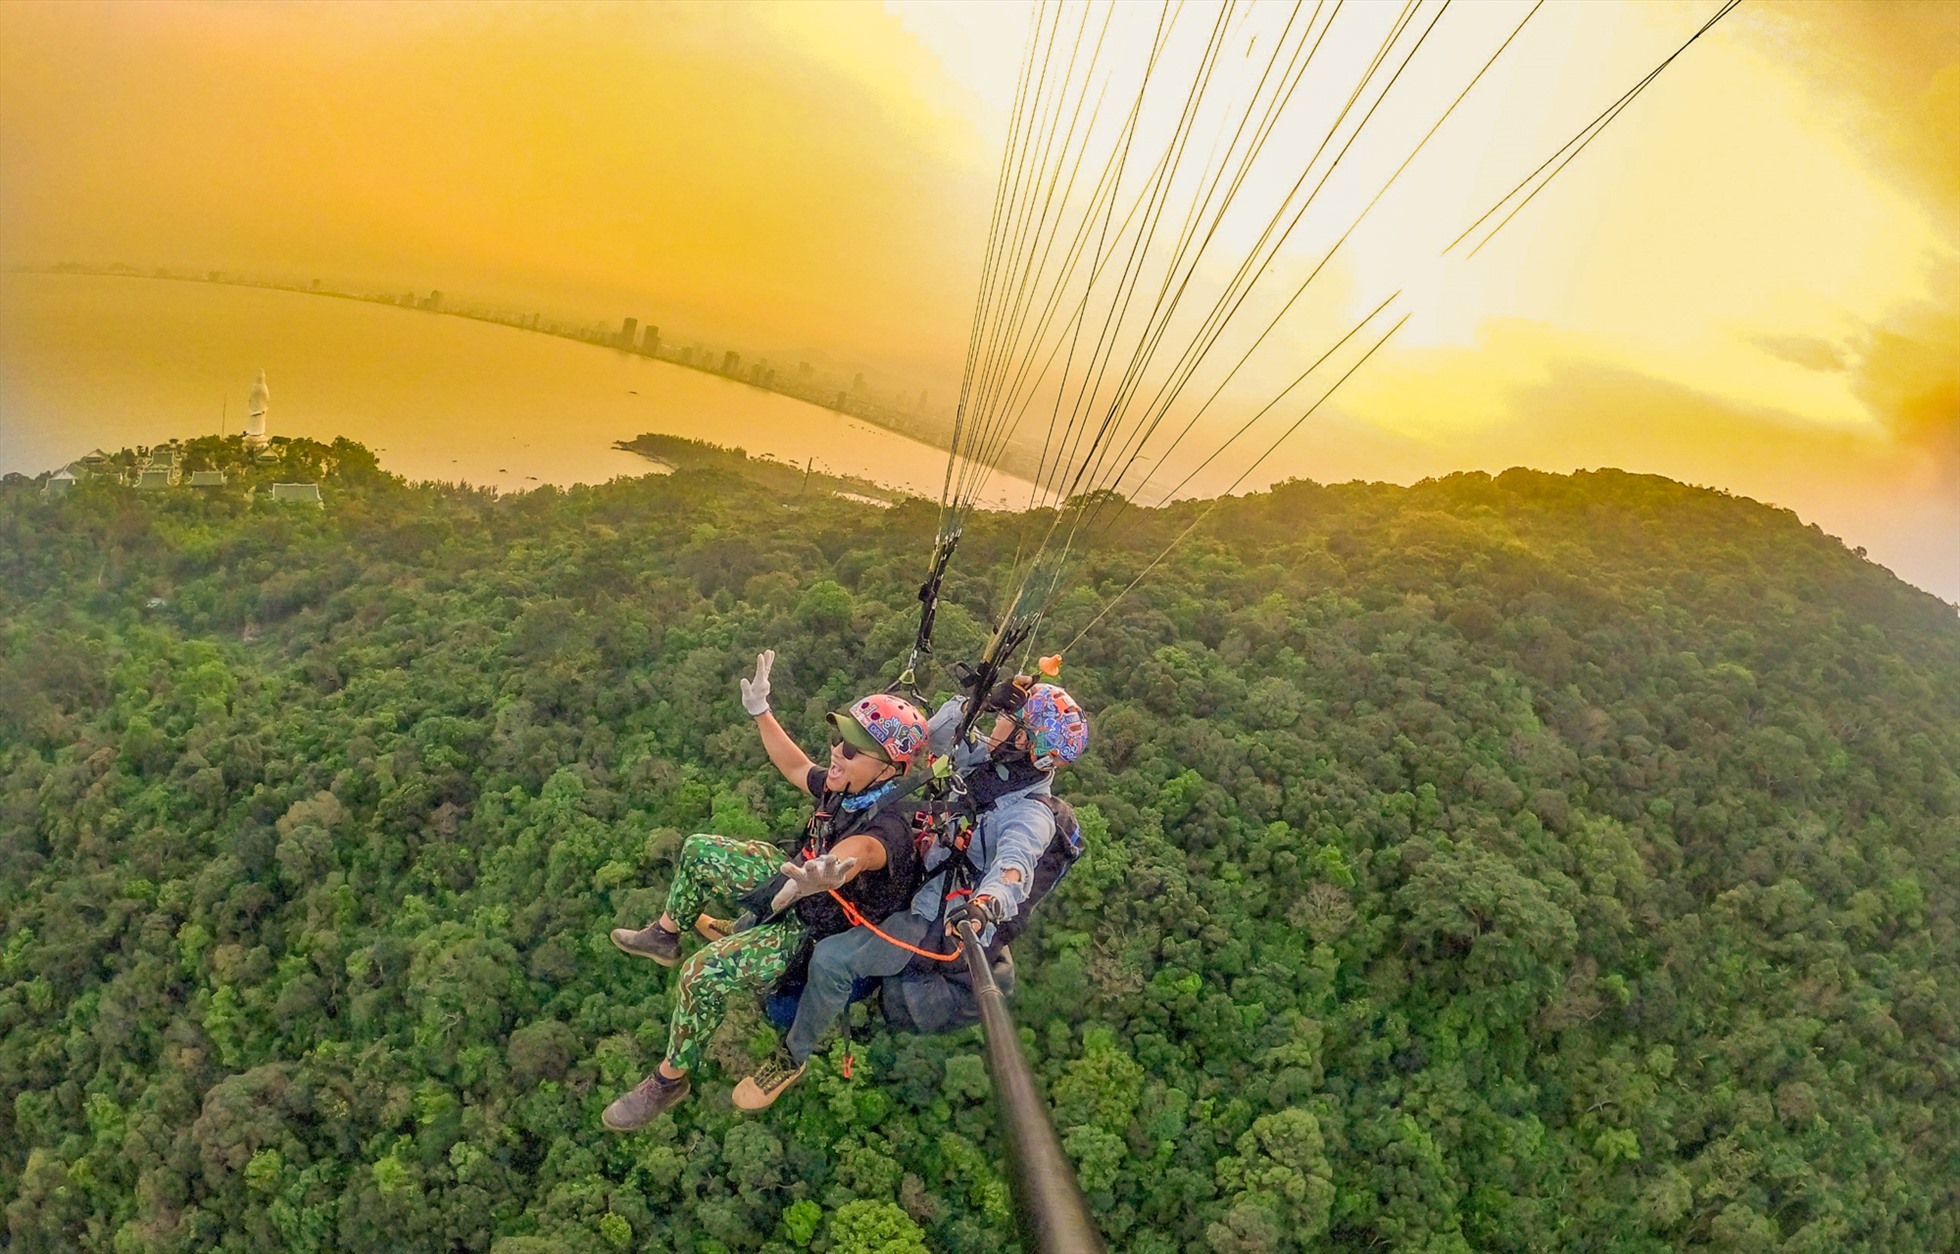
{"x":1748,"y":282}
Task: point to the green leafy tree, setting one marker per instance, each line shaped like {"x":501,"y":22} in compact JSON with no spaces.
{"x":1515,"y":863}
{"x":869,"y":1227}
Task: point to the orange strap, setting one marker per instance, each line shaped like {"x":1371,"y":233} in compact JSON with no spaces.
{"x":856,"y":918}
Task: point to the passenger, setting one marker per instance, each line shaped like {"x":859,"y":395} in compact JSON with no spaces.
{"x":853,"y":847}
{"x":1038,"y":729}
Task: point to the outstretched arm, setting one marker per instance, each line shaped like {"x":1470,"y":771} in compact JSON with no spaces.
{"x":853,"y":856}
{"x":1020,"y":838}
{"x":783,"y":752}
{"x":865,"y":851}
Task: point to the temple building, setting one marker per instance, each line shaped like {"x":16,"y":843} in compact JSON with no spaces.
{"x":298,"y":494}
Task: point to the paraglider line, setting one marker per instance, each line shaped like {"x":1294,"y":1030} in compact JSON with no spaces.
{"x":1589,"y":132}
{"x":1220,"y":499}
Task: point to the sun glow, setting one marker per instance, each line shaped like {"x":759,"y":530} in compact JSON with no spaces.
{"x":816,"y":180}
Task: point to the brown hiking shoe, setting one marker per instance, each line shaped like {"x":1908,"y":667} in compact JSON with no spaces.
{"x":636,"y":1108}
{"x":759,"y":1091}
{"x":712,"y":929}
{"x":651,"y":941}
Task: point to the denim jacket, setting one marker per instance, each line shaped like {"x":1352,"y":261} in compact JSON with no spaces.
{"x":1012,"y":834}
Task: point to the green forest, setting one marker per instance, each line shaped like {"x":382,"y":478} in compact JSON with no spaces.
{"x":1527,"y":862}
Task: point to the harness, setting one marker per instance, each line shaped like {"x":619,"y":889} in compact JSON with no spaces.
{"x":959,"y":870}
{"x":830,"y":823}
{"x":947,"y":824}
{"x":856,"y":918}
{"x":822,"y":833}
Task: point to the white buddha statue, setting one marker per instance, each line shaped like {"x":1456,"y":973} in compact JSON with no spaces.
{"x":255,"y":407}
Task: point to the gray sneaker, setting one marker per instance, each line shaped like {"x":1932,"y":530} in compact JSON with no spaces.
{"x":636,"y":1108}
{"x":651,"y":941}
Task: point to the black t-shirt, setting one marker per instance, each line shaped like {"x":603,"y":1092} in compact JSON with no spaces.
{"x":877,"y":894}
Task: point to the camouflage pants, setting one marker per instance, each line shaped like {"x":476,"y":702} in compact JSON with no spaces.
{"x":718,"y":868}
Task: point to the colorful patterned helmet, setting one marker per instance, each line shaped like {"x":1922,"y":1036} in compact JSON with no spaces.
{"x":1056,"y":729}
{"x":894,"y":723}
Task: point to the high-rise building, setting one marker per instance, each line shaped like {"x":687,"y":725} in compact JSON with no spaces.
{"x":629,"y":332}
{"x":731,"y":363}
{"x":857,"y":384}
{"x":651,"y":344}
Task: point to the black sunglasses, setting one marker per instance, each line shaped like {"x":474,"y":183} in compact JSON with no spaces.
{"x":852,"y":752}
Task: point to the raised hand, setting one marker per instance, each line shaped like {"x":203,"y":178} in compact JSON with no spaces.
{"x":755,"y":692}
{"x":1009,"y":695}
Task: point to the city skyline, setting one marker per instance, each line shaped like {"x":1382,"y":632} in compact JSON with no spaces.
{"x":881,"y":402}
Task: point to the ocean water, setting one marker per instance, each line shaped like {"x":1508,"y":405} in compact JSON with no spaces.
{"x":89,"y":362}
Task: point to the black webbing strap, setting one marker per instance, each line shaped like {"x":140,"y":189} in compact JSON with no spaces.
{"x":942,"y":557}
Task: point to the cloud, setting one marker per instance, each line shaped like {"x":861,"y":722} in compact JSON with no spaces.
{"x":1803,"y":350}
{"x":1910,"y":378}
{"x":1896,"y":64}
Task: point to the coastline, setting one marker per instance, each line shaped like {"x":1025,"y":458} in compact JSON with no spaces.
{"x":674,"y":453}
{"x":443,"y":400}
{"x":864,"y":411}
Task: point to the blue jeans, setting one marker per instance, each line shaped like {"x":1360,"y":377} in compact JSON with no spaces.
{"x":840,"y":961}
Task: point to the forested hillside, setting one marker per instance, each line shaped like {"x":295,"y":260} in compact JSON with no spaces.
{"x":1523,"y":863}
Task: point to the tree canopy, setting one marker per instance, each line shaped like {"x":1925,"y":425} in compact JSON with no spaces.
{"x":1495,"y":863}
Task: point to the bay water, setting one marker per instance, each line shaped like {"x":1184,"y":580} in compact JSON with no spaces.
{"x":107,"y":361}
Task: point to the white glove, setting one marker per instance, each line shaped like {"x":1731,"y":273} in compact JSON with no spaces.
{"x":755,"y":692}
{"x":815,"y":876}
